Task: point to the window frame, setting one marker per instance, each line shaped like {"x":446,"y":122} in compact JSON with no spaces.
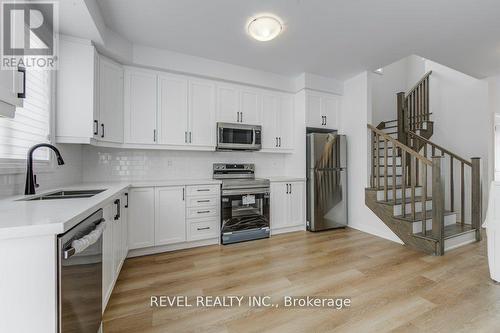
{"x":10,"y":166}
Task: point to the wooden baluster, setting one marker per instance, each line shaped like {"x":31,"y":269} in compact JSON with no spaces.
{"x":419,"y":106}
{"x":385,"y":171}
{"x":402,"y":115}
{"x":438,"y":202}
{"x":413,"y":160}
{"x":403,"y":182}
{"x":462,"y":194}
{"x":427,"y":97}
{"x":372,"y":179}
{"x":476,"y":197}
{"x":417,"y":145}
{"x":394,"y":173}
{"x":452,"y":186}
{"x":424,"y":200}
{"x":433,"y":151}
{"x":377,"y":168}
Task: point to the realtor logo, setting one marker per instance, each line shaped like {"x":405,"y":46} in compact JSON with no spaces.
{"x":29,"y":34}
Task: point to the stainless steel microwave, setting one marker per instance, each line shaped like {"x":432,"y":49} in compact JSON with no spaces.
{"x":238,"y":136}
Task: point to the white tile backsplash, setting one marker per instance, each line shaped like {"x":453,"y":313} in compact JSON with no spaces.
{"x":69,"y":173}
{"x":108,"y":164}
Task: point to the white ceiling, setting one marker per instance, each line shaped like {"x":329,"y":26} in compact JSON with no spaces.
{"x":335,"y":38}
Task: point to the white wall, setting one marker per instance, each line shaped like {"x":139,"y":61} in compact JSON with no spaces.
{"x":69,"y":173}
{"x":356,"y":114}
{"x":463,"y":121}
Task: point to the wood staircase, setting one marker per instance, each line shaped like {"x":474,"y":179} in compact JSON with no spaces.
{"x":414,"y":181}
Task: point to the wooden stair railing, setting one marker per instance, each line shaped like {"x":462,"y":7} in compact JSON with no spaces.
{"x":426,"y":173}
{"x":451,"y":159}
{"x":413,"y":108}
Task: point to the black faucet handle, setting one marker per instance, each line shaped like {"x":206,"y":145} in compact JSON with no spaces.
{"x":34,"y":180}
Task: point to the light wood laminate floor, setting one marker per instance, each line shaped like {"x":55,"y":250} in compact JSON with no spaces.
{"x":392,"y":288}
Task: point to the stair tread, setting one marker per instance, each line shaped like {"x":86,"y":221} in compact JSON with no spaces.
{"x":400,"y":201}
{"x":450,"y":231}
{"x":389,"y":187}
{"x":419,"y":216}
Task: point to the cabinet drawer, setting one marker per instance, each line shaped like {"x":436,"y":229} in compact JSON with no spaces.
{"x":203,"y":201}
{"x":202,"y":190}
{"x":204,"y":229}
{"x":201,"y":212}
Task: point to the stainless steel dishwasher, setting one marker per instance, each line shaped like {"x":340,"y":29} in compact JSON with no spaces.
{"x":80,"y":276}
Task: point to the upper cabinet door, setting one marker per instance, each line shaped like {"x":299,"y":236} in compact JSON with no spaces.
{"x":10,"y":82}
{"x":110,"y":101}
{"x":270,"y":119}
{"x":140,"y":106}
{"x":330,"y":110}
{"x":249,"y":107}
{"x":313,"y":110}
{"x":286,"y":122}
{"x":170,"y":222}
{"x":173,"y":109}
{"x":202,"y":113}
{"x":227,"y":104}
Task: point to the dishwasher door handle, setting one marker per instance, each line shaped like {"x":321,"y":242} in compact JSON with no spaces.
{"x":94,"y":237}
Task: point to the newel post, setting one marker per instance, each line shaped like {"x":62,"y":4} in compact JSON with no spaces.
{"x":402,"y":118}
{"x":438,"y":202}
{"x":477,"y":200}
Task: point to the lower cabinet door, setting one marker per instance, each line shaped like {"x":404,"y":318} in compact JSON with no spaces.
{"x":124,"y":222}
{"x":296,"y":204}
{"x":117,"y":239}
{"x":107,"y":254}
{"x":279,"y":205}
{"x":170,"y":215}
{"x":141,"y":216}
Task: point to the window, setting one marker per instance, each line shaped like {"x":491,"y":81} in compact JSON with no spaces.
{"x":32,"y":123}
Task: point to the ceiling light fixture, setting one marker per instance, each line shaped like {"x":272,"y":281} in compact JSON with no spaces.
{"x":264,"y":28}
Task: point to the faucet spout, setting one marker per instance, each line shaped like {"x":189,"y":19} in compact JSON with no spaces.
{"x":29,"y":188}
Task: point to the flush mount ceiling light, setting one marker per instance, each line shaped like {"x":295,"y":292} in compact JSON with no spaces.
{"x":264,"y":28}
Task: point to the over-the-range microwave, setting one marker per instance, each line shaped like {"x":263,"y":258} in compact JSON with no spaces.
{"x":238,"y":136}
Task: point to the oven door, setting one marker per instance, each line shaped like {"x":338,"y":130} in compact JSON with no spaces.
{"x":80,"y":277}
{"x":238,"y":137}
{"x":244,"y":215}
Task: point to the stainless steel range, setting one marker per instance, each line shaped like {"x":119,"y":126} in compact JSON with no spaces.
{"x":244,"y":203}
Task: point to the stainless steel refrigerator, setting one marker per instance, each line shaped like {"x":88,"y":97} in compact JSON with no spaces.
{"x":326,"y":181}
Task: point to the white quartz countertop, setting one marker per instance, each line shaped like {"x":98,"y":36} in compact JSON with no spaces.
{"x":52,"y":217}
{"x":287,"y":179}
{"x":175,"y":182}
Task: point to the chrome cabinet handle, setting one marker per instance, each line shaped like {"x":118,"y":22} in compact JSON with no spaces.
{"x":205,"y":228}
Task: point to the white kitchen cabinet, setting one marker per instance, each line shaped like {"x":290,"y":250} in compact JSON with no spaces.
{"x":110,"y":101}
{"x":170,"y":215}
{"x":141,"y":217}
{"x":322,"y":110}
{"x":117,"y":237}
{"x":173,"y":109}
{"x":236,"y":104}
{"x":108,"y":272}
{"x":278,"y":122}
{"x":124,"y":221}
{"x":202,"y":113}
{"x":140,"y":106}
{"x":287,"y":205}
{"x":11,"y":86}
{"x":77,"y":101}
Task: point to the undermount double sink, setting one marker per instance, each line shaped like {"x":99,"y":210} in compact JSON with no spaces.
{"x":70,"y":194}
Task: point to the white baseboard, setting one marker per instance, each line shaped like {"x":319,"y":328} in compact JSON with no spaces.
{"x":173,"y":247}
{"x":278,"y":231}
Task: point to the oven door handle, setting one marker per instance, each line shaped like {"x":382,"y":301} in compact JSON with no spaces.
{"x":245,"y":191}
{"x":79,"y":245}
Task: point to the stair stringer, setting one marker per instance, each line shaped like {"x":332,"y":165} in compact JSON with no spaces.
{"x":402,"y":229}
